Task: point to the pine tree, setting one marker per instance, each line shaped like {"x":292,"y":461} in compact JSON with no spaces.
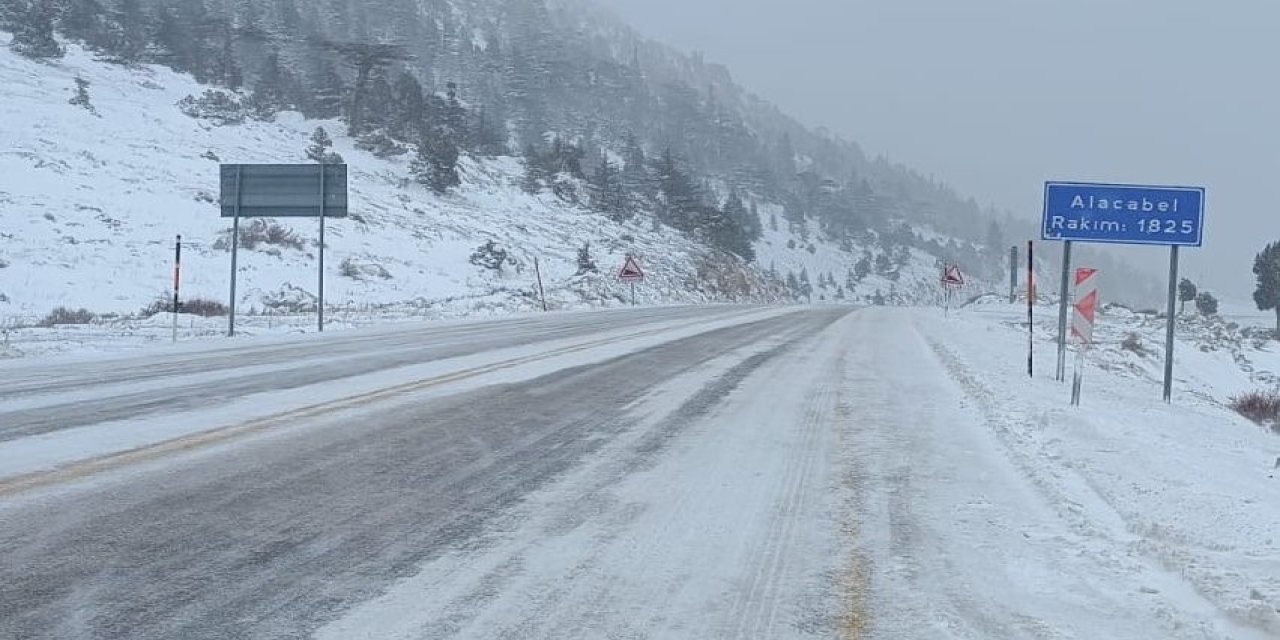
{"x":365,"y":59}
{"x":1186,"y":293}
{"x":535,"y":172}
{"x":319,"y":150}
{"x":81,"y":99}
{"x":130,"y":29}
{"x":33,"y":34}
{"x":84,"y":20}
{"x":326,"y":93}
{"x":1206,"y":304}
{"x":635,"y":167}
{"x":436,"y":164}
{"x":455,"y":116}
{"x":862,"y":268}
{"x":487,"y":137}
{"x":1266,"y":268}
{"x":268,"y":97}
{"x":607,"y":195}
{"x":679,"y":196}
{"x":409,"y":107}
{"x":747,"y":221}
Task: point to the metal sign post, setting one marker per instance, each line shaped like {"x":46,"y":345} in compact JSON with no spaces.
{"x":1013,"y":274}
{"x":1168,"y":338}
{"x":952,"y":278}
{"x":1061,"y":374}
{"x":1129,"y":214}
{"x":320,"y":284}
{"x":282,"y":191}
{"x":235,"y":244}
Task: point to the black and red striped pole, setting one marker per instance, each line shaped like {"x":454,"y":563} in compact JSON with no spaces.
{"x":1031,"y":307}
{"x":177,"y":281}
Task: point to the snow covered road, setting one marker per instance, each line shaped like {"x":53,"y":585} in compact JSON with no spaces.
{"x":673,"y":473}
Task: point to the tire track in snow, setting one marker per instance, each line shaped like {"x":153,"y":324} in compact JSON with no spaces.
{"x":757,"y":606}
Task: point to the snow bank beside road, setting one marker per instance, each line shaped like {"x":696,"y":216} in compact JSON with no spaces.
{"x":1190,"y":486}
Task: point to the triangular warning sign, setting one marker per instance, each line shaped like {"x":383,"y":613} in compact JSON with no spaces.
{"x":631,"y":270}
{"x":953,"y":276}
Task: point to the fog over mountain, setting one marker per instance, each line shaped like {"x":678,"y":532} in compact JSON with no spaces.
{"x":997,"y":96}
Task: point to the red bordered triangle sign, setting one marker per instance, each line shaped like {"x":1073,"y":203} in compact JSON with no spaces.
{"x":631,"y":270}
{"x":953,"y":277}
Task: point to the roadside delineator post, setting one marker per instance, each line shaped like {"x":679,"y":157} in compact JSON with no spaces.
{"x":1031,"y":307}
{"x":1082,"y":321}
{"x":177,"y":280}
{"x":542,"y":295}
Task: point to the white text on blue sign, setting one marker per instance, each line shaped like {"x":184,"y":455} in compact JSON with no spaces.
{"x":1126,"y":214}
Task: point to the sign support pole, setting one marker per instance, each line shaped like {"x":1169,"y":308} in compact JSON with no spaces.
{"x":235,"y":243}
{"x":542,"y":295}
{"x":1062,"y":312}
{"x":1031,"y":302}
{"x":1168,"y":340}
{"x":633,"y":293}
{"x":320,"y":289}
{"x":177,"y":270}
{"x":1013,"y":274}
{"x":1078,"y":379}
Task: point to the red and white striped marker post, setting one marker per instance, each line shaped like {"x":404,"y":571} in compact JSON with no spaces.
{"x":1084,"y":313}
{"x":177,"y":282}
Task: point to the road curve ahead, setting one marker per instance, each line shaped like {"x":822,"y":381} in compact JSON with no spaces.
{"x":669,"y":473}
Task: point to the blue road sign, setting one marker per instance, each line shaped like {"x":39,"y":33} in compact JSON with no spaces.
{"x":1123,"y":214}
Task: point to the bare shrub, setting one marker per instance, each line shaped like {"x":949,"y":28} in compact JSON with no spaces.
{"x":219,"y":107}
{"x":1133,"y":343}
{"x":492,"y":256}
{"x":1262,"y":407}
{"x":202,"y":307}
{"x":363,"y":271}
{"x":63,"y":315}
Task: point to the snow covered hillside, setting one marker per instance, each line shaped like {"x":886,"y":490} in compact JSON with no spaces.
{"x":92,"y":201}
{"x":94,"y":196}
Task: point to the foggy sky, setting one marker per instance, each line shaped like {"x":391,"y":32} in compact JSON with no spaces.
{"x":997,"y":96}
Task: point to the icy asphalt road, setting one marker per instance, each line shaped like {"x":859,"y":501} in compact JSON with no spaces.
{"x":279,"y":534}
{"x":673,"y":473}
